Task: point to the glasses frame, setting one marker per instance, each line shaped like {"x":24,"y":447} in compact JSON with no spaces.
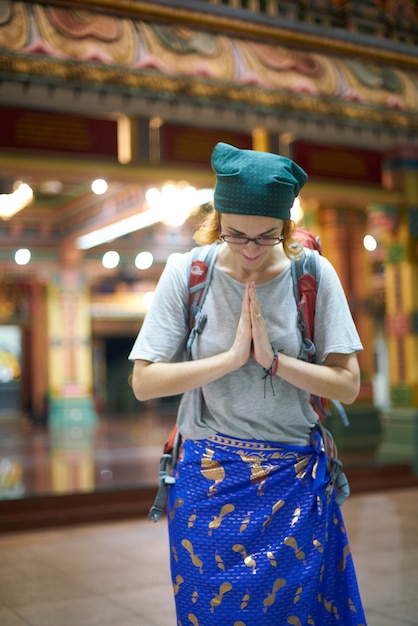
{"x":273,"y":241}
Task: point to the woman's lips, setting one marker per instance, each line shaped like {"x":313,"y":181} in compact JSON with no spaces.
{"x":251,"y":259}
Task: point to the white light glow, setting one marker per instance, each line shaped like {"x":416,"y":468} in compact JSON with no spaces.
{"x":118,"y":229}
{"x":370,"y":243}
{"x":99,"y":186}
{"x":111,"y":259}
{"x":173,"y":256}
{"x":144,"y":260}
{"x":296,"y":212}
{"x":11,"y":203}
{"x":177,"y":201}
{"x":22,"y":256}
{"x":160,"y":210}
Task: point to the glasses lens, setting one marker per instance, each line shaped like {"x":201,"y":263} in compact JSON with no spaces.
{"x":260,"y":241}
{"x":268,"y":241}
{"x":240,"y":241}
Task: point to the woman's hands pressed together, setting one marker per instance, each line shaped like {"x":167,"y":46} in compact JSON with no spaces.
{"x":251,"y":337}
{"x":261,"y":346}
{"x":337,"y":378}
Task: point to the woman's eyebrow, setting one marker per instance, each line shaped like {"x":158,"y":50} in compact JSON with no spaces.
{"x":264,"y":234}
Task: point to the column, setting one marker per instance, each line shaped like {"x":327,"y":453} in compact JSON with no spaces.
{"x":69,"y":351}
{"x":400,"y":437}
{"x":342,"y":230}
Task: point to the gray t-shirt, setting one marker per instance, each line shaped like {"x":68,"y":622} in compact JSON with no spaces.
{"x":241,"y":404}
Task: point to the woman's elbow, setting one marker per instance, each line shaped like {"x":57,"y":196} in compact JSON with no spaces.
{"x":138,"y":383}
{"x":351,"y":391}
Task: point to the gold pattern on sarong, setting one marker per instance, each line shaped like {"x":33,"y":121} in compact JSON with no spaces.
{"x":318,"y":545}
{"x":245,"y":522}
{"x":178,"y":503}
{"x":300,"y":467}
{"x":216,"y":601}
{"x":297,"y":594}
{"x":217,"y":521}
{"x":276,"y":506}
{"x":271,"y":598}
{"x":176,"y":586}
{"x":296,"y":515}
{"x":195,"y":559}
{"x":248,"y":559}
{"x":292,"y":543}
{"x":329,"y":605}
{"x":175,"y":555}
{"x":346,"y":553}
{"x":212,"y":470}
{"x":220,"y":562}
{"x":244,"y":601}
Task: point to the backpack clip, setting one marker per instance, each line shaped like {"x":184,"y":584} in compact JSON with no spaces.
{"x":165,"y":479}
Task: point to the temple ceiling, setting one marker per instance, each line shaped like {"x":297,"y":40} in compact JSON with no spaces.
{"x":157,"y":62}
{"x":203,"y":70}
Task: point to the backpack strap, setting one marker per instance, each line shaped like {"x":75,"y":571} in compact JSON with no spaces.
{"x":306,"y":274}
{"x":200,"y":274}
{"x":202,"y":261}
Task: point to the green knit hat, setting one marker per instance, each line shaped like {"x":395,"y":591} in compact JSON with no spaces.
{"x":249,"y":182}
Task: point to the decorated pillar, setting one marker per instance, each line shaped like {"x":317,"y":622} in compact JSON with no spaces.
{"x":342,"y":230}
{"x":70,"y":353}
{"x":342,"y":233}
{"x":400,"y":438}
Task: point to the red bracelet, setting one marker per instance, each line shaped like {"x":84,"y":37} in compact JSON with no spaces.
{"x":272,"y":370}
{"x":275,"y":364}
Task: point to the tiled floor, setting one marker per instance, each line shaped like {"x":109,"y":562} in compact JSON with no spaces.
{"x":117,"y":574}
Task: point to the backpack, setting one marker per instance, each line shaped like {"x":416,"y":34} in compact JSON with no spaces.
{"x":305,"y":277}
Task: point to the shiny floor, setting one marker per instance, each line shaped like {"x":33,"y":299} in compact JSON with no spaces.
{"x":117,"y":452}
{"x":117,"y":573}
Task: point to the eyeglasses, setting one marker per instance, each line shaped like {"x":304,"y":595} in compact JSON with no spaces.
{"x":259,"y":241}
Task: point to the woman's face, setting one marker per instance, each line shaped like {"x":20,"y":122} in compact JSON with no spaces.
{"x":251,"y":256}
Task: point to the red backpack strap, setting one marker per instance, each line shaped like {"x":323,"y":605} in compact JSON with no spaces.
{"x":306,"y":275}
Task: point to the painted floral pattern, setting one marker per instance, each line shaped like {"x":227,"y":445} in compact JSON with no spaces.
{"x":173,"y":50}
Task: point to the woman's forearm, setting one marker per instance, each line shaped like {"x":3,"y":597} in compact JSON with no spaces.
{"x":158,"y":380}
{"x":338,"y":378}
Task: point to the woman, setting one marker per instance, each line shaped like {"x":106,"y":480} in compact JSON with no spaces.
{"x":255,"y":539}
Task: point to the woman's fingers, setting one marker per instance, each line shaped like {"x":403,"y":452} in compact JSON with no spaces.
{"x":262,"y":350}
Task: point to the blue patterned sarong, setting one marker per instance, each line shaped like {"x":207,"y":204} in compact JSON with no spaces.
{"x":254,"y":539}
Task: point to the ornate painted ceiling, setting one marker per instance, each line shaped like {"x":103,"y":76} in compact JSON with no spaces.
{"x":214,"y":67}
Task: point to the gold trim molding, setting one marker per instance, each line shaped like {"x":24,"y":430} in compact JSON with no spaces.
{"x":244,"y":28}
{"x":78,"y":74}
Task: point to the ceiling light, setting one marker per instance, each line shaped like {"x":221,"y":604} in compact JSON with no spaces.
{"x":158,"y":212}
{"x":22,"y":256}
{"x":110,"y":259}
{"x":99,"y":186}
{"x":370,"y":243}
{"x":12,"y":203}
{"x":118,"y":229}
{"x":177,"y":201}
{"x":50,"y":187}
{"x":144,"y":260}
